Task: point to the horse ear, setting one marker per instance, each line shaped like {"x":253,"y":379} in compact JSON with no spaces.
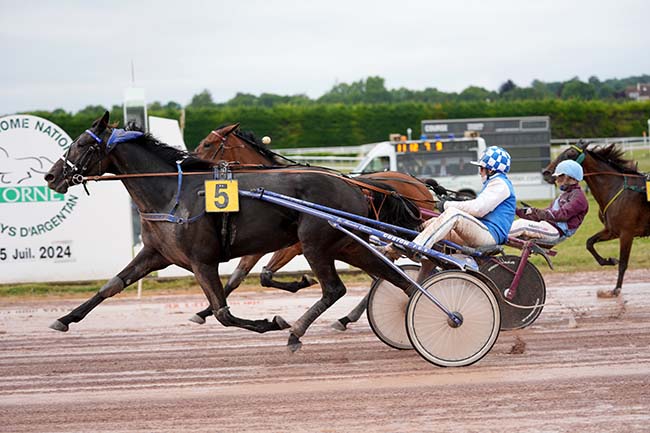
{"x":102,"y":122}
{"x":230,"y":129}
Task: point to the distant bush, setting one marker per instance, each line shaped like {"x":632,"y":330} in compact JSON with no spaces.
{"x":319,"y":124}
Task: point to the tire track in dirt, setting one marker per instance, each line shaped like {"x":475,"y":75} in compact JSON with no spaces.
{"x":139,"y":365}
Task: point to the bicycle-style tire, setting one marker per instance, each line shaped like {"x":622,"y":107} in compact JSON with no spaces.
{"x":432,"y":333}
{"x":527,"y":305}
{"x":387,"y":308}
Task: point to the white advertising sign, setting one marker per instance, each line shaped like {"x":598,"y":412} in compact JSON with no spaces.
{"x":46,"y":236}
{"x":167,"y":131}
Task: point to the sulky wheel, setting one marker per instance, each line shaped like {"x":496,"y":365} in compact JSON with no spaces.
{"x":440,"y":341}
{"x":386,"y":310}
{"x":526,"y":306}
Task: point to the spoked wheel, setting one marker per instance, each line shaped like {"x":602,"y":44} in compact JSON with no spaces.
{"x":386,"y":310}
{"x":435,"y":337}
{"x":527,"y":305}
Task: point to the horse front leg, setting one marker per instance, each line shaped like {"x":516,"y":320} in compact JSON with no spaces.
{"x":147,"y":260}
{"x":625,"y":247}
{"x":241,"y":271}
{"x":208,"y":277}
{"x":601,"y":236}
{"x":278,"y":260}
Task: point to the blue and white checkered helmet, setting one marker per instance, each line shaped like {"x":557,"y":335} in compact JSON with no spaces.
{"x":495,"y":158}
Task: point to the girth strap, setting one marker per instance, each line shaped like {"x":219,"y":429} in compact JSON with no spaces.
{"x":169,"y":216}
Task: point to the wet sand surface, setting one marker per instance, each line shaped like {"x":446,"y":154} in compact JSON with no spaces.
{"x":140,"y":365}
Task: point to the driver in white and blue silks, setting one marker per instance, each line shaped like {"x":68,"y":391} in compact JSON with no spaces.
{"x":483,"y":221}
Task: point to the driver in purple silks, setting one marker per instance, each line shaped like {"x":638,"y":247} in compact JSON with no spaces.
{"x":565,"y":214}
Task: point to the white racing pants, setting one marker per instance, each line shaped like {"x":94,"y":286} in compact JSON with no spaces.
{"x":457,"y":226}
{"x":541,"y":230}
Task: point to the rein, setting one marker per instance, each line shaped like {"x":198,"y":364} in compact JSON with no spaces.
{"x":253,"y":170}
{"x":614,"y":173}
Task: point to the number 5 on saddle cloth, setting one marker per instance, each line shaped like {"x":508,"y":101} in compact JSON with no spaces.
{"x":222,"y":194}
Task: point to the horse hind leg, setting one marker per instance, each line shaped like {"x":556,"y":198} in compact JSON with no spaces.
{"x":625,"y":247}
{"x":266,"y":279}
{"x":354,"y":315}
{"x":236,"y":278}
{"x":332,"y":290}
{"x":208,"y":278}
{"x":145,"y":262}
{"x":200,"y":317}
{"x":278,"y":260}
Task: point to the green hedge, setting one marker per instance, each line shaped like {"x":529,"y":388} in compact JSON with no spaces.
{"x":316,"y":125}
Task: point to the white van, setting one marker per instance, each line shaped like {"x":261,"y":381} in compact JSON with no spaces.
{"x":445,"y":160}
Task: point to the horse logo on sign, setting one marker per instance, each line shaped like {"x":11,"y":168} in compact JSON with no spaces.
{"x":17,"y":170}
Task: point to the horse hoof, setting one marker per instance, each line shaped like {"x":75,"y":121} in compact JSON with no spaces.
{"x":294,"y":344}
{"x":197,"y":319}
{"x":282,"y":324}
{"x":339,"y":326}
{"x":606,"y":294}
{"x":293,"y":348}
{"x":57,"y":325}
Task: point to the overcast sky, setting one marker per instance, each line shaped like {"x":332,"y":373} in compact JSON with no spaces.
{"x":70,"y":54}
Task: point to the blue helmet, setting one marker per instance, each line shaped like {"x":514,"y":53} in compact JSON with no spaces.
{"x":569,"y":168}
{"x":494,"y":158}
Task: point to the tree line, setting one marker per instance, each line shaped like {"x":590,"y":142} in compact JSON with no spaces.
{"x":365,"y":111}
{"x":372,"y":90}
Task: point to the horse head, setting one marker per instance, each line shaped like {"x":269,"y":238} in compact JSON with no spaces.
{"x":87,"y":155}
{"x":214,"y":145}
{"x":575,"y":152}
{"x":229,"y":143}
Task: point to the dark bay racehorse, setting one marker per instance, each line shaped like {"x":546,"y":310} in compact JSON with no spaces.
{"x":230,"y":143}
{"x":619,"y":190}
{"x":176,"y":230}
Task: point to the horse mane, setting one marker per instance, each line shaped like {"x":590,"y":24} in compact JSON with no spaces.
{"x":171,"y":154}
{"x":613,"y":155}
{"x":250,"y":138}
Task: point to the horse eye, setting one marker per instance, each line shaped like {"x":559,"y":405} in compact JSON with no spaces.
{"x":207,"y":144}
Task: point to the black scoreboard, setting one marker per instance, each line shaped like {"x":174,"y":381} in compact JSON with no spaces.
{"x":527,"y":139}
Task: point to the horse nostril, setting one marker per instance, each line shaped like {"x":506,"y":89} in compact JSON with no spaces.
{"x":49,"y":177}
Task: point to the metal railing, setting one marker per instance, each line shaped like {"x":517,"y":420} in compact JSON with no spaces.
{"x":628,"y":143}
{"x":344,"y":164}
{"x":308,"y":155}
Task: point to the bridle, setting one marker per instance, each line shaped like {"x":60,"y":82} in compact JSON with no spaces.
{"x":73,"y":172}
{"x":221,"y":148}
{"x":222,"y":145}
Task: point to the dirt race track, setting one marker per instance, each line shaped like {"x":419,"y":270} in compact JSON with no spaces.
{"x":141,"y":365}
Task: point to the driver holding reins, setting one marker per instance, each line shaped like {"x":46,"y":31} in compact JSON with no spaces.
{"x":483,"y":221}
{"x":564,"y":215}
